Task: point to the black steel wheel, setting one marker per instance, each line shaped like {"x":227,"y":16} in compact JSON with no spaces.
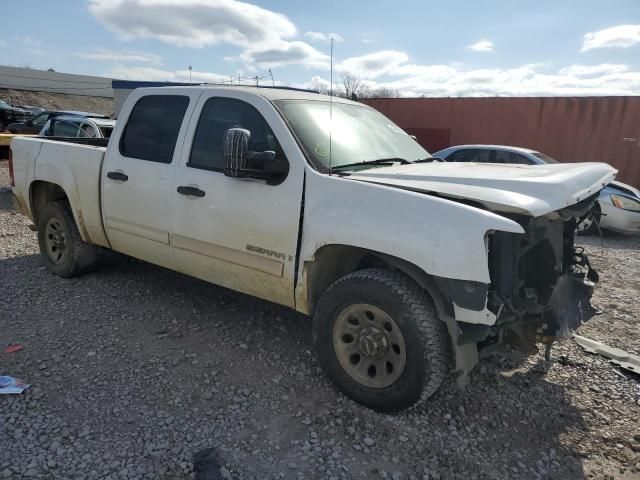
{"x":379,"y":339}
{"x":63,"y":251}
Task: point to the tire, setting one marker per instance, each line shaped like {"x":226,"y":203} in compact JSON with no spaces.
{"x":71,"y":255}
{"x":423,"y":339}
{"x":589,"y":225}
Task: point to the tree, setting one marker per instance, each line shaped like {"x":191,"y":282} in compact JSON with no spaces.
{"x":384,"y":92}
{"x":352,"y":85}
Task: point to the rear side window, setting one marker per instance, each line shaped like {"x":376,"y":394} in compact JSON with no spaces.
{"x":64,"y":128}
{"x":153,"y":126}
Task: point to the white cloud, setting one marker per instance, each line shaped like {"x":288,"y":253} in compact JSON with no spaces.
{"x":193,"y":23}
{"x":481,"y":46}
{"x":588,"y":70}
{"x":158,"y":75}
{"x":264,"y":35}
{"x":621,"y":36}
{"x":525,"y":80}
{"x":27,"y":40}
{"x":283,"y":53}
{"x":120,"y":56}
{"x":374,"y":64}
{"x":324,"y":37}
{"x":391,"y":69}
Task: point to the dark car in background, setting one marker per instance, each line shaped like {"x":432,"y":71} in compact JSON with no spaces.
{"x":35,"y":124}
{"x":9,"y":115}
{"x":32,"y":108}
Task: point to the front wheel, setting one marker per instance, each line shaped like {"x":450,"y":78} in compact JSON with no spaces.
{"x":379,"y":340}
{"x":63,"y":251}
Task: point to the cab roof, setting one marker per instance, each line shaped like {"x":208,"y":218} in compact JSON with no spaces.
{"x":270,"y":93}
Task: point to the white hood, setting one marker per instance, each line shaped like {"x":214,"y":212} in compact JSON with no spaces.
{"x":535,"y":190}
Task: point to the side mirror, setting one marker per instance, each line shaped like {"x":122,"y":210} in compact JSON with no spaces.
{"x":239,"y":162}
{"x":236,"y":147}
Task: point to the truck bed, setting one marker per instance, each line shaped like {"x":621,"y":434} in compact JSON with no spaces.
{"x":74,"y":167}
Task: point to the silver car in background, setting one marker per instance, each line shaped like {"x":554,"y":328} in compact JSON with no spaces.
{"x":617,"y":207}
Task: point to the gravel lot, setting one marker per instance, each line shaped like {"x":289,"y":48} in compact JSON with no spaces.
{"x":134,"y":368}
{"x":57,"y":101}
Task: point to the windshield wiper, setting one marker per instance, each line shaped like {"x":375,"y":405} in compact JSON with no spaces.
{"x":380,"y":161}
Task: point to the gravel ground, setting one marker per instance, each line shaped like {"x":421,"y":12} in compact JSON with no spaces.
{"x":134,"y":368}
{"x":57,"y":101}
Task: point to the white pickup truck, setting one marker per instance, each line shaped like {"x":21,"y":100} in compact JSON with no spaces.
{"x":330,"y":209}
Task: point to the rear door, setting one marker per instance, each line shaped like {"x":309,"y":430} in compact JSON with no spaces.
{"x":237,"y":232}
{"x":137,"y":176}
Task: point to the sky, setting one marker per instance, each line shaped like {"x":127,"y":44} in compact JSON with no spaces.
{"x":421,"y":47}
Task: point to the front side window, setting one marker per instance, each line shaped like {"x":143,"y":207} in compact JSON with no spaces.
{"x":40,"y":119}
{"x":220,"y":114}
{"x":470,"y":155}
{"x":358,"y":133}
{"x":152,"y":130}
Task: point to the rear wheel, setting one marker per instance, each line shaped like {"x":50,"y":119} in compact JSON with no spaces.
{"x":63,"y":251}
{"x":379,"y":340}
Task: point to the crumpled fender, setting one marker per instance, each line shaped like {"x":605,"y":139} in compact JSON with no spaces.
{"x":443,"y":237}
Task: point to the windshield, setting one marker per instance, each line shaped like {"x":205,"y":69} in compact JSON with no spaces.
{"x":545,"y":158}
{"x":359,"y":134}
{"x":4,"y":104}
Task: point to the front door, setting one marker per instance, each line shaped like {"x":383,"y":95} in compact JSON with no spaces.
{"x":137,"y":176}
{"x":235,"y":232}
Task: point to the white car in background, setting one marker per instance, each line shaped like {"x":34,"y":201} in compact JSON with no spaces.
{"x":78,"y":127}
{"x":618,"y":205}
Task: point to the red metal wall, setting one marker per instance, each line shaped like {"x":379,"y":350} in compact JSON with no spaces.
{"x":570,"y":129}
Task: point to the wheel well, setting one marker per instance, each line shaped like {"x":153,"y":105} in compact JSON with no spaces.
{"x":332,"y":262}
{"x":43,"y":193}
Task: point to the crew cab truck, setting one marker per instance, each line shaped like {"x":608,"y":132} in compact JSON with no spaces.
{"x":408,"y":266}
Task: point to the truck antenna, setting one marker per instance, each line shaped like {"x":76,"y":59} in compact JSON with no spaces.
{"x":330,"y":102}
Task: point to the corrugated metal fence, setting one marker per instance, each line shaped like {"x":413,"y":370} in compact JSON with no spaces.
{"x":570,"y":129}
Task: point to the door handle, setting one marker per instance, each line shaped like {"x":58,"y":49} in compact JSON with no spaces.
{"x":117,"y":176}
{"x":193,"y":191}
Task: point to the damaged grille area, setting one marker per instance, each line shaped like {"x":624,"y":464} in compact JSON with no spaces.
{"x":541,"y":278}
{"x":525,"y":268}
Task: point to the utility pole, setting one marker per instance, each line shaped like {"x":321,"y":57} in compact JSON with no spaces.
{"x":189,"y":73}
{"x":272,"y":80}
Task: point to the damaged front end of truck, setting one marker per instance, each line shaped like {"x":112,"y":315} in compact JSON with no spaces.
{"x":540,"y":290}
{"x":536,"y":284}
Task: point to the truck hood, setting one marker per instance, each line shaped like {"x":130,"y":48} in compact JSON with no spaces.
{"x":535,"y":190}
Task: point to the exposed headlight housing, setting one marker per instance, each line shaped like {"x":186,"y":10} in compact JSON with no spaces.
{"x":625,"y":203}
